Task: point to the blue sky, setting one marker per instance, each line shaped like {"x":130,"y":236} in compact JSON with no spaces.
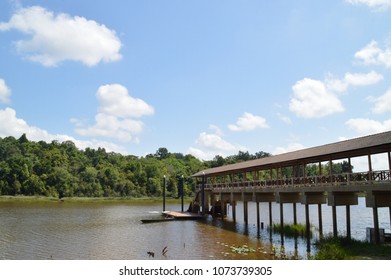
{"x":201,"y":77}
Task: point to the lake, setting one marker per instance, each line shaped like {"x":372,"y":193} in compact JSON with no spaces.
{"x":113,"y":231}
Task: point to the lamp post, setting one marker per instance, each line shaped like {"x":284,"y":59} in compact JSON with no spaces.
{"x":182,"y":190}
{"x":164,"y":193}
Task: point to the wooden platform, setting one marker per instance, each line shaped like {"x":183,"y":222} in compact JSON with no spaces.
{"x":182,"y":215}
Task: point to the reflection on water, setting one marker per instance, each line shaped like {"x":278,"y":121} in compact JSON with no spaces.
{"x":114,"y":231}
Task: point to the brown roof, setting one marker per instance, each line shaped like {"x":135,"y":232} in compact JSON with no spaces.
{"x":371,"y":144}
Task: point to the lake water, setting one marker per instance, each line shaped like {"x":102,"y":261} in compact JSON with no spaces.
{"x":90,"y":231}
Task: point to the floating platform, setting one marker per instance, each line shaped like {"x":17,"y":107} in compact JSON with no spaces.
{"x":173,"y":216}
{"x":182,"y":215}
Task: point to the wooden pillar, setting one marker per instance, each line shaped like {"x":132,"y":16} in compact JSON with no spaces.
{"x":320,"y":220}
{"x":307,"y":219}
{"x":370,"y":166}
{"x":376,"y":225}
{"x":245,"y":211}
{"x":258,"y":217}
{"x":234,"y":211}
{"x":348,"y":231}
{"x":335,"y":228}
{"x":282,"y":216}
{"x":294,"y":214}
{"x":270,"y":216}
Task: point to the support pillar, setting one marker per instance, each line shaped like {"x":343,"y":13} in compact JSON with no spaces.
{"x":245,"y":211}
{"x":234,"y":211}
{"x":258,"y":217}
{"x":294,"y":214}
{"x":320,"y":220}
{"x":335,"y":229}
{"x":282,"y":216}
{"x":270,"y":216}
{"x":348,"y":231}
{"x":307,"y":219}
{"x":376,"y":225}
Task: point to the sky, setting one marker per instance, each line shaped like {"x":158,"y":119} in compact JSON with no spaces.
{"x":197,"y":77}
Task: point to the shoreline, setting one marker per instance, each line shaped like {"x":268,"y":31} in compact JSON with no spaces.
{"x":135,"y":200}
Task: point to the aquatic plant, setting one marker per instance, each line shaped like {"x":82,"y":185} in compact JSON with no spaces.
{"x":244,"y":249}
{"x":292,"y":229}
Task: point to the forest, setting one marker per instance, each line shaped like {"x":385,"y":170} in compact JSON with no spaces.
{"x":62,"y":170}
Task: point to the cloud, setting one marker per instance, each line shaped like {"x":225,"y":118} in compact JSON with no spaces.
{"x":312,"y":99}
{"x":382,"y":103}
{"x":367,"y":126}
{"x":355,"y":79}
{"x":316,"y":99}
{"x":248,"y":122}
{"x":11,"y":125}
{"x":373,"y":54}
{"x":5,"y":92}
{"x":117,"y":115}
{"x":375,"y":4}
{"x":209,"y":145}
{"x":57,"y":38}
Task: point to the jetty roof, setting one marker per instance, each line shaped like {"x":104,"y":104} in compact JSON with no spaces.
{"x":361,"y":146}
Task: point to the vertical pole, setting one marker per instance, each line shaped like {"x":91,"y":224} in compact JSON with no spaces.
{"x":234,"y":211}
{"x":182,"y":191}
{"x":294,"y":214}
{"x":307,"y":219}
{"x":320,"y":220}
{"x":282,"y":216}
{"x":259,"y":217}
{"x":335,"y":229}
{"x":370,"y":166}
{"x":164,"y":193}
{"x":307,"y":226}
{"x":376,"y":225}
{"x":348,"y":231}
{"x":203,"y":194}
{"x":245,"y":210}
{"x":270,"y":216}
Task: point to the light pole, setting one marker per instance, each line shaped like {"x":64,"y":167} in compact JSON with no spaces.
{"x":164,"y":193}
{"x":182,"y":190}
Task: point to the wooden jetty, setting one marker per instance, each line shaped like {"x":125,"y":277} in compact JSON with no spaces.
{"x":173,"y":216}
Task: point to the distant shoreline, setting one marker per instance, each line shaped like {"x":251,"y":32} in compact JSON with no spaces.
{"x":23,"y":198}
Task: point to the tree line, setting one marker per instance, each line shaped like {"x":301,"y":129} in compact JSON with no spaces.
{"x":62,"y":170}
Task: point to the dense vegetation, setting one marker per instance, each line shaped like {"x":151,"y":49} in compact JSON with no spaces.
{"x":62,"y":170}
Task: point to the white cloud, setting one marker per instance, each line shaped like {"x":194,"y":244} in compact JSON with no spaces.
{"x":209,"y":145}
{"x":372,"y":54}
{"x":115,"y":100}
{"x":355,"y":79}
{"x":382,"y":103}
{"x":375,"y":4}
{"x":248,"y":122}
{"x":56,"y":38}
{"x":5,"y":92}
{"x":284,"y":118}
{"x":367,"y":126}
{"x":11,"y":125}
{"x":117,"y":115}
{"x":312,"y":99}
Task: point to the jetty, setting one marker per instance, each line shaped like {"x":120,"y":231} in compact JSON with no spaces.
{"x":168,"y":216}
{"x":286,"y":179}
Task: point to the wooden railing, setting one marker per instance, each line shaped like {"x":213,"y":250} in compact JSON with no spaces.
{"x":344,"y":179}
